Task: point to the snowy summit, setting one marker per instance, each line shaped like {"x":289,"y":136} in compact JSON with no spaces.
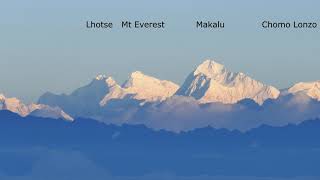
{"x":212,"y":82}
{"x":311,"y":89}
{"x":143,"y":88}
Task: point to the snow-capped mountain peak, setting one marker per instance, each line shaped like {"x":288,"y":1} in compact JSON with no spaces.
{"x":45,"y":111}
{"x":100,"y":77}
{"x":110,"y":81}
{"x":149,"y":88}
{"x":210,"y":68}
{"x":142,"y":87}
{"x":138,"y":80}
{"x":107,"y":79}
{"x":311,"y":89}
{"x":137,"y":74}
{"x":212,"y":82}
{"x":15,"y":105}
{"x":2,"y":97}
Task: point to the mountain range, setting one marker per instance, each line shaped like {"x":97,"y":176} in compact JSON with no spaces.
{"x":210,"y":95}
{"x":217,"y":125}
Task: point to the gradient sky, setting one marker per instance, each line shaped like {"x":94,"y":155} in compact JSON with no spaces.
{"x":45,"y":46}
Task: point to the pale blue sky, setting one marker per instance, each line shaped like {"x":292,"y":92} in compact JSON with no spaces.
{"x":44,"y":45}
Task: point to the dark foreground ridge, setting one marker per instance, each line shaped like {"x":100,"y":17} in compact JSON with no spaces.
{"x":293,"y":150}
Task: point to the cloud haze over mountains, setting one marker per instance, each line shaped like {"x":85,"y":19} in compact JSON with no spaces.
{"x":211,"y":95}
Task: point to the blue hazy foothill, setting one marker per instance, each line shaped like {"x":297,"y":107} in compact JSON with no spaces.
{"x":135,"y":150}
